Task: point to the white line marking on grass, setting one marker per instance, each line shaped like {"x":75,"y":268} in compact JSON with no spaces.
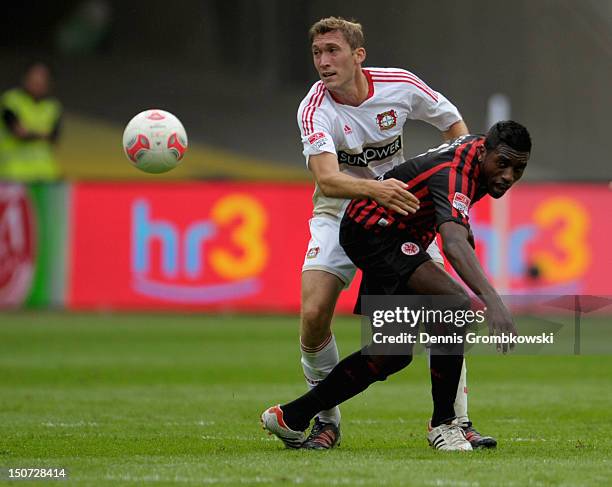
{"x":442,"y":482}
{"x":378,"y":421}
{"x":78,"y":424}
{"x":341,"y":481}
{"x":202,"y":480}
{"x":246,"y":480}
{"x":367,"y":421}
{"x":528,"y":439}
{"x":239,"y":438}
{"x":189,"y":423}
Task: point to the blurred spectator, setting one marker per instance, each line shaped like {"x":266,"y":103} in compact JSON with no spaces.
{"x":29,"y":128}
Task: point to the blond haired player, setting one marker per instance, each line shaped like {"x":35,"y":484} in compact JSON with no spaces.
{"x":351,"y":123}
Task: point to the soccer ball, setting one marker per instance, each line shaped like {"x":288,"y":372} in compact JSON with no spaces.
{"x":155,"y":141}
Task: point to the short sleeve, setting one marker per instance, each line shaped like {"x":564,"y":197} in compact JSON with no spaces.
{"x":450,"y":204}
{"x":315,"y":131}
{"x":430,"y":106}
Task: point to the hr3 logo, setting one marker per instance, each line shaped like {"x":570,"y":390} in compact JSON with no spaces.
{"x":203,"y":261}
{"x":556,"y":241}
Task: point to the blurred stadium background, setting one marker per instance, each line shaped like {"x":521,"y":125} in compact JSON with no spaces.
{"x":227,"y":230}
{"x":234,"y":74}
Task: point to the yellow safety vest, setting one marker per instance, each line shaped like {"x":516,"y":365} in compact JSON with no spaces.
{"x":28,"y":160}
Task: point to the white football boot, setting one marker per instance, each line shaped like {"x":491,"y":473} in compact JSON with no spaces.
{"x":272,"y":422}
{"x":448,"y":437}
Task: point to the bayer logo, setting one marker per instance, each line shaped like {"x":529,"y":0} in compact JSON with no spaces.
{"x":386,"y":120}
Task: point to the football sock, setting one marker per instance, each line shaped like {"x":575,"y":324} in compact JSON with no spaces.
{"x":317,"y":363}
{"x":461,"y":399}
{"x":445,"y":372}
{"x":350,"y":377}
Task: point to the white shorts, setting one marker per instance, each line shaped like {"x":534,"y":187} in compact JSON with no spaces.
{"x":326,"y":254}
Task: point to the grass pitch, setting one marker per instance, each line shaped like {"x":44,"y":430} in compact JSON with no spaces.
{"x":167,"y":399}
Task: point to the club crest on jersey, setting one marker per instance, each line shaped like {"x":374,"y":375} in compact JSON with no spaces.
{"x":386,"y":120}
{"x":348,"y":130}
{"x":462,"y":203}
{"x":410,"y":248}
{"x":312,"y":253}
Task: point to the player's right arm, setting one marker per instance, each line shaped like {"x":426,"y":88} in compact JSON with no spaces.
{"x":390,"y":193}
{"x":432,"y":107}
{"x":461,"y":255}
{"x":452,"y":218}
{"x":316,"y":129}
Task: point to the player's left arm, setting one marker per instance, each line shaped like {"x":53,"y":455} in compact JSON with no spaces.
{"x":461,"y":255}
{"x":430,"y":106}
{"x":452,"y":219}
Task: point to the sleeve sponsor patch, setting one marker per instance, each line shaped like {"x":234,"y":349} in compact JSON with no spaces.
{"x":317,"y":140}
{"x":462,"y":203}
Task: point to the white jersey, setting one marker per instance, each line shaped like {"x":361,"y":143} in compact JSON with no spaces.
{"x":368,"y":139}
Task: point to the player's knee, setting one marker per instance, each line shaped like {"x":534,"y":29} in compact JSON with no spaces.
{"x":316,"y":318}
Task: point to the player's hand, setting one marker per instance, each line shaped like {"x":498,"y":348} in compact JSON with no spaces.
{"x":394,"y":195}
{"x":501,"y":323}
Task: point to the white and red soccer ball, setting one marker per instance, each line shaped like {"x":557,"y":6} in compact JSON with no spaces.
{"x":155,"y":141}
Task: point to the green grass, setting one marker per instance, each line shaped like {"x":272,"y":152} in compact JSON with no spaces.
{"x":167,"y":399}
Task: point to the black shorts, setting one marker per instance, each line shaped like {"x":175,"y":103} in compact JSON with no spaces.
{"x":387,"y":258}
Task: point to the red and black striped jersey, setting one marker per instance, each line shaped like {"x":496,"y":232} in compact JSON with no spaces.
{"x":446,"y":181}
